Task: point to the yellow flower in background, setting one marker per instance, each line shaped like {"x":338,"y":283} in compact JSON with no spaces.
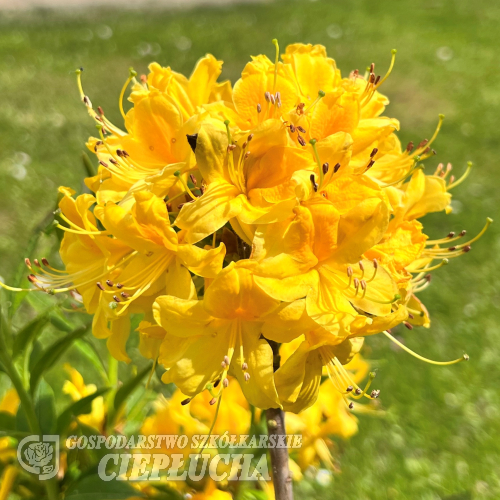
{"x":7,"y":480}
{"x":77,"y":389}
{"x":234,"y":412}
{"x":9,"y":404}
{"x":211,"y":492}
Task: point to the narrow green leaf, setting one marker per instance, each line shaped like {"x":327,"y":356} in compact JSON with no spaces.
{"x":28,"y":333}
{"x":60,"y":323}
{"x":89,"y":167}
{"x":7,"y":421}
{"x":93,"y":487}
{"x":22,"y":424}
{"x":125,"y":390}
{"x":52,"y":353}
{"x":45,"y":407}
{"x":88,"y":350}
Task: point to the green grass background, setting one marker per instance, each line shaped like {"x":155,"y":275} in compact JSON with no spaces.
{"x":440,"y":435}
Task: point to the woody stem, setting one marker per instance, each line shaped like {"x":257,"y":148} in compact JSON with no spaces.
{"x":275,"y":418}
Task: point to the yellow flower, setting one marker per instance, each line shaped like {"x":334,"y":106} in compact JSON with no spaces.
{"x":234,"y":412}
{"x":124,"y":273}
{"x":312,"y":178}
{"x":166,"y":107}
{"x":336,"y":229}
{"x":211,"y":492}
{"x":171,"y":418}
{"x":298,"y":379}
{"x":77,"y":389}
{"x":327,"y":417}
{"x":226,"y":324}
{"x":159,"y":263}
{"x":7,"y":480}
{"x":247,"y":184}
{"x":9,"y":404}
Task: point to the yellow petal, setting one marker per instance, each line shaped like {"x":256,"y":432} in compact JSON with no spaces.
{"x":256,"y":79}
{"x":211,"y":152}
{"x":288,"y":289}
{"x":220,"y":203}
{"x":203,"y":78}
{"x":234,"y":294}
{"x":150,"y":338}
{"x":200,"y":363}
{"x":120,"y":331}
{"x":179,"y":282}
{"x":181,"y":317}
{"x":287,"y":322}
{"x":259,"y":390}
{"x":370,"y":130}
{"x":360,"y":229}
{"x":285,"y":249}
{"x":277,"y":166}
{"x":206,"y":263}
{"x":313,"y":70}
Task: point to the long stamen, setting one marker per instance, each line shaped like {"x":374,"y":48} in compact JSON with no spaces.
{"x":426,"y":144}
{"x":391,"y":66}
{"x":213,"y":423}
{"x":132,"y":75}
{"x":462,"y":179}
{"x":184,"y":184}
{"x":80,"y":231}
{"x":375,"y":269}
{"x":465,"y":357}
{"x":444,"y":262}
{"x":359,"y":395}
{"x":410,"y":172}
{"x":312,"y":142}
{"x":451,"y":237}
{"x":309,"y":108}
{"x":276,"y":61}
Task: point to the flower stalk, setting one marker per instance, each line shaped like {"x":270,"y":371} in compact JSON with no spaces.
{"x":275,"y":418}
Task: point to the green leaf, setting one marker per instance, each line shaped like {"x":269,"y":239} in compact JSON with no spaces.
{"x":60,"y":323}
{"x":22,"y":424}
{"x":88,"y":350}
{"x":52,"y":353}
{"x":93,"y":487}
{"x":45,"y":407}
{"x":28,"y":333}
{"x":7,"y":421}
{"x":80,"y":407}
{"x":89,"y":167}
{"x":125,"y":390}
{"x":35,"y":354}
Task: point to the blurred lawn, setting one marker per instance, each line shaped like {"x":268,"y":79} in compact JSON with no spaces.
{"x":439,"y":437}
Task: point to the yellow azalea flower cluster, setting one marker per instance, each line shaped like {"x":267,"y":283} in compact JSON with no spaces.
{"x":238,"y":218}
